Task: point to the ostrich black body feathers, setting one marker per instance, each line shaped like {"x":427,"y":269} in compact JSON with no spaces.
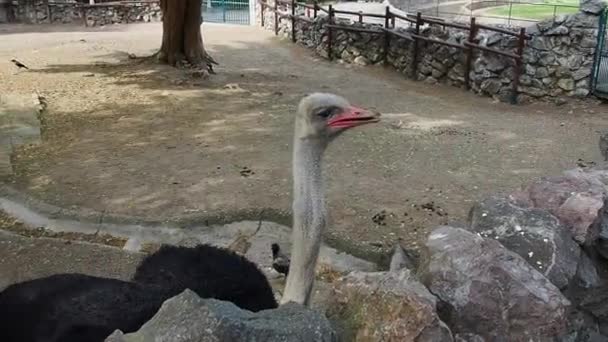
{"x":78,"y":307}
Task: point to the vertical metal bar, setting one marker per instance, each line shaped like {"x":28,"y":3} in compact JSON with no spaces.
{"x":316,"y":7}
{"x":416,"y":43}
{"x":330,"y":33}
{"x":387,"y":16}
{"x":469,"y":57}
{"x":48,"y":12}
{"x":224,"y":10}
{"x":597,"y":61}
{"x":293,"y":21}
{"x":554,"y":12}
{"x":518,"y":64}
{"x":262,"y":8}
{"x":360,"y":16}
{"x":387,"y":36}
{"x":84,"y":15}
{"x":276,"y":18}
{"x":510,"y":11}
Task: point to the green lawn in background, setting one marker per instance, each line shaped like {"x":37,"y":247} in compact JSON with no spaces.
{"x":537,"y":11}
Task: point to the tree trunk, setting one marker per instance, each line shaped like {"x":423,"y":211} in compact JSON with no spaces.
{"x":182,"y":38}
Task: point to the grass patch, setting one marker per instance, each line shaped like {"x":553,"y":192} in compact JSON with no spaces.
{"x":536,"y":11}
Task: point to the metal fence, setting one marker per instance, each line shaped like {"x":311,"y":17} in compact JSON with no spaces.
{"x":516,"y":12}
{"x":226,"y":11}
{"x":287,"y":9}
{"x":599,"y":76}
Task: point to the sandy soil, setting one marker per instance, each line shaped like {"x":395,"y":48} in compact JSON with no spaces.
{"x":134,"y":138}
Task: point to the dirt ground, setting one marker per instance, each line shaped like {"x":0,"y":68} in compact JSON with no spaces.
{"x":134,"y":138}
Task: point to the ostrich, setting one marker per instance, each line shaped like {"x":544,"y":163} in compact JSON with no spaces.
{"x":320,"y":118}
{"x":77,"y":307}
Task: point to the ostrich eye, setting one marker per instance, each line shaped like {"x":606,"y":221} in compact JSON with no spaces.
{"x":326,"y":113}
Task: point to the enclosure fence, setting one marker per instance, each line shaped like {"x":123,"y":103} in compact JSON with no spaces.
{"x":388,"y":31}
{"x":498,"y":11}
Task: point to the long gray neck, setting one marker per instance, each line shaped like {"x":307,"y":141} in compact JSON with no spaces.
{"x":309,"y":219}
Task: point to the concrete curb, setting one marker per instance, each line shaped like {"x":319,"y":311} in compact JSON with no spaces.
{"x":187,"y":229}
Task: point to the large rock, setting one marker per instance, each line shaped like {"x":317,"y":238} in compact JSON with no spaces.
{"x":490,"y":291}
{"x":586,"y":273}
{"x":601,"y":244}
{"x":592,"y":6}
{"x":385,"y":306}
{"x":575,"y":198}
{"x":595,"y":301}
{"x":189,"y":318}
{"x":534,"y":234}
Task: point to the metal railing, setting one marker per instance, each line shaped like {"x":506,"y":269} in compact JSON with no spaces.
{"x":389,"y":30}
{"x":461,"y":10}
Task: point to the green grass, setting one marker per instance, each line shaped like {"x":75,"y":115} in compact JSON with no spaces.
{"x":538,"y":12}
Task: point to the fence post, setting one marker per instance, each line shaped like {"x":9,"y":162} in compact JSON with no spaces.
{"x":387,"y":35}
{"x":330,"y":33}
{"x":83,"y":10}
{"x":416,"y":43}
{"x":510,"y":11}
{"x":314,"y":11}
{"x":276,"y":18}
{"x":469,"y":59}
{"x":48,"y":12}
{"x":293,"y":21}
{"x":518,"y":64}
{"x":262,"y":8}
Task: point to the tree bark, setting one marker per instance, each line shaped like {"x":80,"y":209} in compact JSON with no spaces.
{"x":182,"y":38}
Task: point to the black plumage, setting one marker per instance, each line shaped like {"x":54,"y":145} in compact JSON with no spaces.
{"x":77,"y":307}
{"x":280,"y":261}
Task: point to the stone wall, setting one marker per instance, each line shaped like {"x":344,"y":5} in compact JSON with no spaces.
{"x":97,"y":15}
{"x":558,"y":57}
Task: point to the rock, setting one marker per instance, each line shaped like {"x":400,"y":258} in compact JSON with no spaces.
{"x":534,"y":234}
{"x":595,"y":301}
{"x":530,"y":70}
{"x":542,"y":72}
{"x":544,"y":25}
{"x":558,"y":31}
{"x":360,"y":60}
{"x":581,"y":73}
{"x":347,"y":56}
{"x":491,"y":86}
{"x":490,"y":291}
{"x":496,"y":64}
{"x":581,"y":92}
{"x":385,"y":306}
{"x":582,"y":19}
{"x":566,"y":83}
{"x":467,"y":337}
{"x":401,"y":259}
{"x":579,"y":212}
{"x":581,"y":328}
{"x":574,"y":198}
{"x":575,"y":62}
{"x":189,"y":318}
{"x":592,"y":6}
{"x":586,"y":273}
{"x":601,"y":245}
{"x":534,"y":92}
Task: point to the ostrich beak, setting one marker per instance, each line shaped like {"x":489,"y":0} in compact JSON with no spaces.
{"x":353,"y":116}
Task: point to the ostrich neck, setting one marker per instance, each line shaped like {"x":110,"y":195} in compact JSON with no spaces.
{"x":308,"y":219}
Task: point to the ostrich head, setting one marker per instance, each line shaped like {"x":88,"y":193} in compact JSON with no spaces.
{"x":319,"y":119}
{"x":324,"y":116}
